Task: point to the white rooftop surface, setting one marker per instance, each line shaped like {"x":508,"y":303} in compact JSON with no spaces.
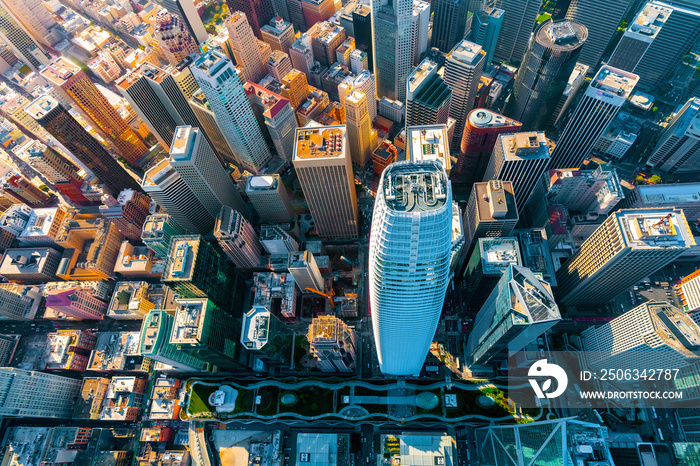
{"x":498,"y":253}
{"x":428,"y":143}
{"x":262,"y":182}
{"x":615,"y":81}
{"x":426,"y":450}
{"x":255,"y":328}
{"x":39,"y":222}
{"x":662,"y":228}
{"x":670,"y":193}
{"x":466,"y":52}
{"x":318,"y":449}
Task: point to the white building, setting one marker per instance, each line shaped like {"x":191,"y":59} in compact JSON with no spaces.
{"x":420,"y":23}
{"x":269,"y":198}
{"x":678,"y":146}
{"x":245,"y":47}
{"x":303,"y":268}
{"x":28,"y":394}
{"x":586,"y":191}
{"x":276,"y":241}
{"x":463,"y":69}
{"x":414,"y":202}
{"x":391,"y":33}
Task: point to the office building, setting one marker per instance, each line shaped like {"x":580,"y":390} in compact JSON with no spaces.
{"x":361,"y":136}
{"x":69,"y":350}
{"x":237,"y":238}
{"x":326,"y":37}
{"x":323,"y":165}
{"x":135,"y":262}
{"x":278,"y":64}
{"x":690,"y":294}
{"x":195,"y":269}
{"x":266,"y":337}
{"x":67,"y":131}
{"x":278,"y":115}
{"x":542,"y":78}
{"x":412,"y":199}
{"x":270,"y":198}
{"x":463,"y":69}
{"x":359,"y":62}
{"x":279,"y":34}
{"x":16,"y":186}
{"x":295,"y":88}
{"x":19,"y":302}
{"x":518,"y":22}
{"x":123,"y":399}
{"x":363,"y":82}
{"x":206,"y":332}
{"x":130,"y":301}
{"x":685,"y":196}
{"x":491,"y":211}
{"x":601,"y":27}
{"x":207,"y":121}
{"x":428,"y":97}
{"x":173,"y":37}
{"x":629,"y":245}
{"x":187,"y":11}
{"x":154,"y":343}
{"x":15,"y":219}
{"x":576,"y":80}
{"x":45,"y":160}
{"x":520,"y":158}
{"x":427,"y":144}
{"x":21,"y":43}
{"x":92,"y":395}
{"x":31,"y":265}
{"x":75,"y":303}
{"x":651,"y":333}
{"x":27,"y":394}
{"x":588,"y":191}
{"x":128,"y":212}
{"x":332,"y":344}
{"x":391,"y":24}
{"x":317,"y":11}
{"x":491,"y":257}
{"x":639,"y":35}
{"x":362,"y":31}
{"x":158,"y":230}
{"x":276,"y":292}
{"x":245,"y":47}
{"x":276,"y":241}
{"x":486,"y":28}
{"x":545,"y":441}
{"x":420,"y":30}
{"x":302,"y":55}
{"x":518,"y":311}
{"x":304,"y":269}
{"x":226,"y":96}
{"x":71,"y":82}
{"x":598,"y":107}
{"x":199,"y":167}
{"x":481,"y":132}
{"x":449,"y":20}
{"x":677,"y":148}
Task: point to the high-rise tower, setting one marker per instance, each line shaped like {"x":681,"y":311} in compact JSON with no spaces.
{"x":245,"y":47}
{"x":541,"y":79}
{"x":486,"y":28}
{"x":629,"y":245}
{"x":414,"y":201}
{"x":606,"y":93}
{"x":270,"y":198}
{"x":359,"y":128}
{"x":257,"y":12}
{"x":678,"y":149}
{"x":22,"y":44}
{"x":449,"y":20}
{"x":27,"y":394}
{"x":518,"y":22}
{"x":187,"y":11}
{"x":491,"y":212}
{"x":173,"y":37}
{"x":237,"y":238}
{"x":428,"y":97}
{"x":391,"y":33}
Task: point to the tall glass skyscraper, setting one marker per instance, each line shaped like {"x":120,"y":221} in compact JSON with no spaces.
{"x":391,"y":35}
{"x":409,"y":261}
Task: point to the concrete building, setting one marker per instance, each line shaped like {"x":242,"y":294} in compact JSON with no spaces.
{"x":679,"y":142}
{"x":429,"y":143}
{"x":391,"y":27}
{"x":16,"y":186}
{"x":651,"y":333}
{"x":245,"y":47}
{"x":69,"y":80}
{"x":603,"y":98}
{"x":685,"y":196}
{"x":279,"y":64}
{"x":629,"y":245}
{"x":690,"y":294}
{"x":31,"y":265}
{"x":518,"y":22}
{"x":228,"y":101}
{"x":361,"y":136}
{"x":19,"y":302}
{"x":574,"y":83}
{"x":265,"y":336}
{"x":491,"y":211}
{"x":19,"y":40}
{"x":279,"y":34}
{"x":518,"y":311}
{"x":130,"y":301}
{"x":128,"y":212}
{"x":326,"y":37}
{"x":123,"y":399}
{"x":14,"y":219}
{"x":332,"y":344}
{"x":270,"y":198}
{"x":412,"y":198}
{"x":75,"y":303}
{"x":237,"y":238}
{"x":419,"y":448}
{"x":187,"y":11}
{"x":92,"y":395}
{"x":486,"y":28}
{"x":157,"y":232}
{"x":154,"y":343}
{"x":304,"y":269}
{"x":43,"y":226}
{"x":463,"y":68}
{"x":28,"y":394}
{"x":69,"y":350}
{"x":597,"y":191}
{"x":118,"y":352}
{"x":278,"y":116}
{"x":137,"y":262}
{"x":277,"y":293}
{"x":276,"y":241}
{"x":322,"y":162}
{"x":449,"y":20}
{"x":173,"y":37}
{"x":207,"y":121}
{"x":541,"y":79}
{"x":420,"y":30}
{"x":428,"y":97}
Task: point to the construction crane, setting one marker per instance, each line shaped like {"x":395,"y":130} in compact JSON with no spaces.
{"x":327,"y":295}
{"x":661,"y":222}
{"x":352,"y":263}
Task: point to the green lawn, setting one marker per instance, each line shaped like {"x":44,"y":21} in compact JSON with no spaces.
{"x":543,"y":17}
{"x":199,"y":398}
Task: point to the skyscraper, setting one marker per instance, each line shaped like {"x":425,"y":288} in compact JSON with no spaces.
{"x":35,"y":19}
{"x":414,"y":200}
{"x":486,"y":28}
{"x":186,"y":10}
{"x":157,"y":232}
{"x":541,"y":79}
{"x":173,"y":37}
{"x":23,"y":46}
{"x":194,"y":159}
{"x":127,"y":212}
{"x":428,"y":97}
{"x":304,"y":269}
{"x":226,"y":96}
{"x":266,"y":336}
{"x":629,"y":245}
{"x":520,"y":158}
{"x":449,"y":20}
{"x":518,"y":22}
{"x":333,"y":344}
{"x":154,"y":343}
{"x":364,"y":82}
{"x":490,"y":212}
{"x":278,"y":115}
{"x":27,"y":394}
{"x":603,"y":98}
{"x":463,"y":69}
{"x":207,"y":121}
{"x":678,"y":145}
{"x":326,"y":37}
{"x":601,"y":27}
{"x":359,"y":128}
{"x":480,"y":135}
{"x":391,"y":35}
{"x":245,"y":47}
{"x":651,"y":333}
{"x":237,"y":238}
{"x":519,"y":310}
{"x":257,"y":12}
{"x":589,"y":191}
{"x":279,"y":34}
{"x":323,"y":165}
{"x":71,"y":81}
{"x":420,"y":29}
{"x":270,"y":198}
{"x":362,"y":25}
{"x":167,"y":188}
{"x":57,"y":121}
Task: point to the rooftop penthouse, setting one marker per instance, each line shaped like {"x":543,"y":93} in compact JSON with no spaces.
{"x":429,"y":143}
{"x":189,"y":321}
{"x":498,"y":253}
{"x":524,"y":146}
{"x":181,"y":264}
{"x":410,"y":187}
{"x":466,"y":52}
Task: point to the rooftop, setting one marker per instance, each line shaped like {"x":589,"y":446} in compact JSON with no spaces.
{"x":275,"y":290}
{"x":669,"y":194}
{"x":182,"y":147}
{"x":184,"y":255}
{"x":41,"y":106}
{"x":467,"y":53}
{"x":59,"y":70}
{"x":614,"y":81}
{"x":326,"y":32}
{"x":495,"y":200}
{"x":127,"y":299}
{"x":262,"y":183}
{"x":422,"y":71}
{"x":650,"y":20}
{"x":498,"y":253}
{"x":561,"y":35}
{"x":415,"y":187}
{"x":40,"y":222}
{"x":189,"y":321}
{"x":429,"y":143}
{"x":524,"y":146}
{"x":116,"y":351}
{"x":655,"y":228}
{"x":320,"y":142}
{"x":24,"y":260}
{"x":158,"y":173}
{"x":483,"y":118}
{"x":146,"y":70}
{"x":256,"y":324}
